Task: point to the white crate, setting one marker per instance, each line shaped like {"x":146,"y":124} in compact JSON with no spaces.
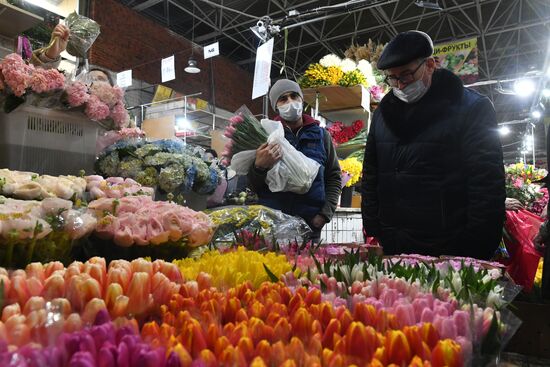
{"x":47,"y":141}
{"x":346,"y":226}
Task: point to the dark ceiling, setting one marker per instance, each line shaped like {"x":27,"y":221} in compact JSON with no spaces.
{"x":513,"y":37}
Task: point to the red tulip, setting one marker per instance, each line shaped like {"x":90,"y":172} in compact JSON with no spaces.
{"x":360,"y":341}
{"x":429,"y":334}
{"x":333,"y":328}
{"x":313,"y":297}
{"x":418,"y":346}
{"x":282,"y":330}
{"x":264,"y":350}
{"x":366,"y":314}
{"x":183,"y":355}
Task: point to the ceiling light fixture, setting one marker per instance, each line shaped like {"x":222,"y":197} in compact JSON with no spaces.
{"x":536,"y":114}
{"x":546,"y":92}
{"x":432,"y":5}
{"x":504,"y":130}
{"x":524,"y":87}
{"x":192,"y":67}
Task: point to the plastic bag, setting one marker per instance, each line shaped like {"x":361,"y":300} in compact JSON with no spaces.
{"x":294,"y":172}
{"x":262,"y":221}
{"x":522,"y":227}
{"x":83,"y":33}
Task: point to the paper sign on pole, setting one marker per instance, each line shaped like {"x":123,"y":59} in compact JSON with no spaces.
{"x":262,"y":70}
{"x":124,"y":78}
{"x":211,"y":50}
{"x":168,"y":71}
{"x":365,"y":98}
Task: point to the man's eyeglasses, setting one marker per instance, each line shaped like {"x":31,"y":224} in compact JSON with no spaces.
{"x":405,"y":78}
{"x":293,"y":96}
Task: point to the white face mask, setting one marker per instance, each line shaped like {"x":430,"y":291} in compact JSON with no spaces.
{"x":291,"y":111}
{"x":412,"y":92}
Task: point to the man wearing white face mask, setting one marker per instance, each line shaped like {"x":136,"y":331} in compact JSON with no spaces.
{"x":433,"y":175}
{"x":317,"y":206}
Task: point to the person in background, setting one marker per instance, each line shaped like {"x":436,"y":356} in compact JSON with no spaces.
{"x":433,"y":174}
{"x":317,"y":206}
{"x":209,"y":155}
{"x":49,"y":56}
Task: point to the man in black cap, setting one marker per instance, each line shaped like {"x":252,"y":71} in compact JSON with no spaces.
{"x":433,"y":175}
{"x":316,"y":206}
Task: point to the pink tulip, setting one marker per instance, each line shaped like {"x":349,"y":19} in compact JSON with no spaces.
{"x":427,"y":316}
{"x":6,"y":281}
{"x":462,"y":323}
{"x":419,"y":305}
{"x":171,"y":270}
{"x":18,"y":332}
{"x":35,"y":286}
{"x":73,"y":269}
{"x":405,"y":315}
{"x":54,"y":287}
{"x":448,"y":329}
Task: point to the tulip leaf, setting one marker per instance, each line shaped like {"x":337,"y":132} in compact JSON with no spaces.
{"x":270,"y":274}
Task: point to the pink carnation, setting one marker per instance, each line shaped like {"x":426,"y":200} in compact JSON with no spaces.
{"x":106,"y":93}
{"x":96,"y":110}
{"x":120,"y":116}
{"x":16,"y":73}
{"x":56,"y":80}
{"x":132,"y":132}
{"x":77,"y":94}
{"x":39,"y":81}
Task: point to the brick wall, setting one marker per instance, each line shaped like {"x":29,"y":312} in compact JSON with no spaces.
{"x":129,"y":40}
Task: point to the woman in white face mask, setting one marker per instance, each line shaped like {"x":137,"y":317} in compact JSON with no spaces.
{"x":411,"y":82}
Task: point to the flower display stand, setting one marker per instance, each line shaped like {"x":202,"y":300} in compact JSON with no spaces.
{"x":334,"y":98}
{"x":47,"y":141}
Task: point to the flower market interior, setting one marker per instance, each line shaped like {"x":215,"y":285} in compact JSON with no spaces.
{"x":274,"y":183}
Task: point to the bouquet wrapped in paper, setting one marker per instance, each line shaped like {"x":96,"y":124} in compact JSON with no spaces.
{"x":293,"y":172}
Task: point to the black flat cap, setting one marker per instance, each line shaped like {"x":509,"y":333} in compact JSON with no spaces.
{"x":404,"y":48}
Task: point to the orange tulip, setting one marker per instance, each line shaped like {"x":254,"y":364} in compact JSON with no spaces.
{"x":91,"y":309}
{"x":72,"y":323}
{"x":19,"y":290}
{"x":429,"y":334}
{"x":447,"y":353}
{"x":313,"y":297}
{"x":142,"y":266}
{"x":230,"y":356}
{"x":119,"y":274}
{"x":183,"y":355}
{"x":397,"y":347}
{"x":418,"y":346}
{"x":360,"y":341}
{"x":204,"y":281}
{"x":52,"y":267}
{"x":278,"y":353}
{"x":333,"y":328}
{"x":326,"y":313}
{"x":365,"y":313}
{"x":207,"y":358}
{"x":301,"y":323}
{"x":33,"y":304}
{"x":295,"y":303}
{"x":289,"y":363}
{"x":282,"y":330}
{"x":376,"y":363}
{"x":263,"y":350}
{"x":418,"y":362}
{"x":54,"y":287}
{"x":246,"y":347}
{"x":295,"y":350}
{"x":81,"y":289}
{"x":150,"y":331}
{"x":221,"y":344}
{"x":138,"y":293}
{"x":258,"y":362}
{"x":36,"y":270}
{"x":10,"y":310}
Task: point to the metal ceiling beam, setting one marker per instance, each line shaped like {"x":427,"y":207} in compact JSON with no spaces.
{"x":145,"y":5}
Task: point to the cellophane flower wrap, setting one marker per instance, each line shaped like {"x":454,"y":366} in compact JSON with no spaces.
{"x":294,"y":172}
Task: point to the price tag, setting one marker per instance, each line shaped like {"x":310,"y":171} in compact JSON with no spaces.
{"x":124,"y":78}
{"x":168,"y":71}
{"x":211,"y":50}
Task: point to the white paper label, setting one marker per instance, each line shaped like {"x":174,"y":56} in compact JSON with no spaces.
{"x":211,"y":50}
{"x":262,"y":70}
{"x":365,"y":98}
{"x":124,"y":78}
{"x":168,"y":71}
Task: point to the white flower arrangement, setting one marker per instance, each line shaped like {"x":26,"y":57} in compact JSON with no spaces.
{"x":348,"y":65}
{"x":330,"y":60}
